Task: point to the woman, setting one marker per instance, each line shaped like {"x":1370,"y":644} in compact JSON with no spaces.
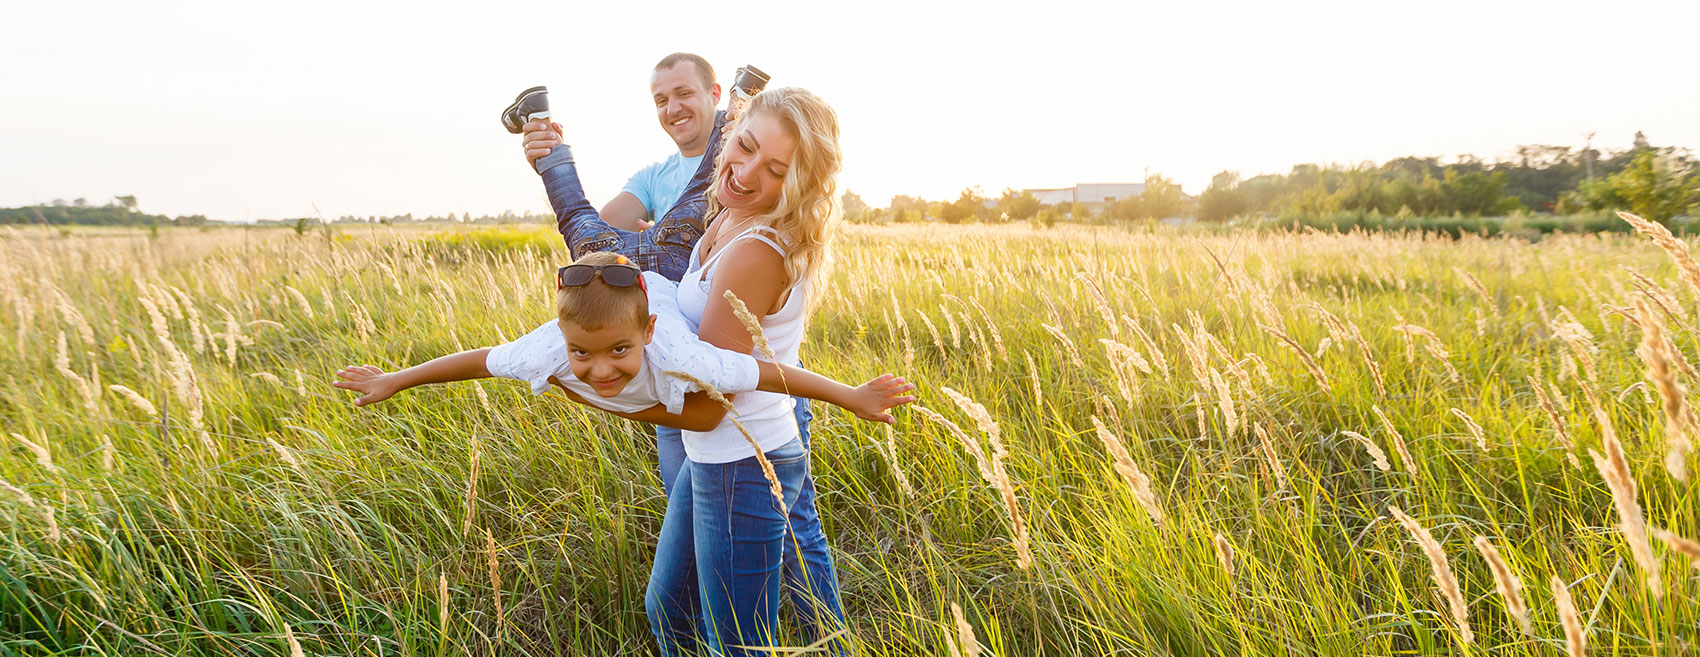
{"x":773,"y":208}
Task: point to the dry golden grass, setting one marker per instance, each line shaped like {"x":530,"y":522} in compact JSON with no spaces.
{"x":1680,"y":424}
{"x":1614,"y":469}
{"x":1130,"y":472}
{"x":1229,"y":426}
{"x":1224,"y":553}
{"x":1575,"y":640}
{"x":1510,"y":588}
{"x":1444,"y":579}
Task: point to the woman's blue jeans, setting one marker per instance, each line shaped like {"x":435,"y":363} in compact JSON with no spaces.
{"x":675,"y":602}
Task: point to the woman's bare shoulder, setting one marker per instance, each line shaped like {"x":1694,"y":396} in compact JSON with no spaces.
{"x":753,"y":270}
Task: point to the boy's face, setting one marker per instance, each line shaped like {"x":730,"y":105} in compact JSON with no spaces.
{"x":607,"y":357}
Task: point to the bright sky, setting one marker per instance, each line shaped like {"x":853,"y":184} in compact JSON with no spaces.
{"x":243,"y":110}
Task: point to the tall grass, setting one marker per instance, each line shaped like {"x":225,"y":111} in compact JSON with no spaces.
{"x":213,"y":501}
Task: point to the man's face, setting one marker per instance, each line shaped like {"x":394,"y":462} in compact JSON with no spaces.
{"x":608,"y":357}
{"x":757,"y":159}
{"x":684,"y":106}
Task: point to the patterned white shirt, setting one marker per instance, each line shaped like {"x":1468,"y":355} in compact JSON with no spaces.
{"x":542,"y":354}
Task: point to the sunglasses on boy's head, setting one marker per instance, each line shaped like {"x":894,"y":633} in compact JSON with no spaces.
{"x":617,"y":275}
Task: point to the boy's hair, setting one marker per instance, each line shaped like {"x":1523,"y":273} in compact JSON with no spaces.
{"x":704,"y":71}
{"x":593,"y":305}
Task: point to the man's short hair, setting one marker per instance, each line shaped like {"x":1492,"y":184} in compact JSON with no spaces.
{"x":704,"y":71}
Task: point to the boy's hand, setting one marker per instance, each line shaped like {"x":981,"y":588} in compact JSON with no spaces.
{"x":373,"y":384}
{"x":539,"y":138}
{"x":870,"y":400}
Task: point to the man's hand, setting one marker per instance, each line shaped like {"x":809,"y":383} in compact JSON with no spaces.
{"x":539,"y":139}
{"x":373,"y":384}
{"x":870,"y":400}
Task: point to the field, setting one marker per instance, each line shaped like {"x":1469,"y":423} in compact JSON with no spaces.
{"x":1192,"y":443}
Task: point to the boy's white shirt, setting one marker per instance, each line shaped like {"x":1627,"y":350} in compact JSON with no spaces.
{"x":542,"y":354}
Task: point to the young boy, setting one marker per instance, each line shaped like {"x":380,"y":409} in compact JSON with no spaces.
{"x":618,"y":334}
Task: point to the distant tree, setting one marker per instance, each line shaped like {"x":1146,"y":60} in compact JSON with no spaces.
{"x":1655,"y":185}
{"x":127,"y":202}
{"x":968,"y":206}
{"x":1046,"y":217}
{"x":1223,"y":200}
{"x":907,"y":208}
{"x":1161,"y":198}
{"x":1018,"y":206}
{"x":855,"y":209}
{"x":1078,"y":210}
{"x":80,"y":202}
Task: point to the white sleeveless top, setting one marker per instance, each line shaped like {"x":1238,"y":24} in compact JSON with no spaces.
{"x":766,"y":415}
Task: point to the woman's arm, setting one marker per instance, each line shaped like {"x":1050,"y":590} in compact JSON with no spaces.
{"x":375,"y":385}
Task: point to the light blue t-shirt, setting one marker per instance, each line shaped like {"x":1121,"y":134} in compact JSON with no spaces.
{"x":659,"y":185}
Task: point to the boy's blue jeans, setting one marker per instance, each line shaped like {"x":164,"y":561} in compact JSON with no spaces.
{"x":664,"y":247}
{"x":674,"y":602}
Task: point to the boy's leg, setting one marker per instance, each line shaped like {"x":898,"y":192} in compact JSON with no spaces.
{"x":664,"y":248}
{"x":578,"y":221}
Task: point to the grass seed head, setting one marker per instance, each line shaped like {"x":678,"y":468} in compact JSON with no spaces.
{"x":1510,"y":588}
{"x":1224,"y":553}
{"x":1614,"y":469}
{"x":1575,"y":640}
{"x":1444,"y":579}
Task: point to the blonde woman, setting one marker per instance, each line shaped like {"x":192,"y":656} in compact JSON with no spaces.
{"x":773,"y":211}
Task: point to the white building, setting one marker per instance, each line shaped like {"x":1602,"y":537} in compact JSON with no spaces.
{"x":1094,"y":195}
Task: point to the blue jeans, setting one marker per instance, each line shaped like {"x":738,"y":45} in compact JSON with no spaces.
{"x":808,"y":571}
{"x":664,"y":248}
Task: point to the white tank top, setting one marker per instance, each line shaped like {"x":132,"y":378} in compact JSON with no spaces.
{"x":766,"y":415}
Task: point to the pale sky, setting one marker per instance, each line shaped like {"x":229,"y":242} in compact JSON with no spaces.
{"x":242,"y":110}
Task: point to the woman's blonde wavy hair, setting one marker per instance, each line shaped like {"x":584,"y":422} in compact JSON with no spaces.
{"x":807,"y":214}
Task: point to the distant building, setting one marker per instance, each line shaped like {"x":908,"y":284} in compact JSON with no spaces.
{"x":1094,"y":195}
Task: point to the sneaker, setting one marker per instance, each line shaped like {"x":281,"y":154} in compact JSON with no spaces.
{"x":531,"y":104}
{"x":749,"y":80}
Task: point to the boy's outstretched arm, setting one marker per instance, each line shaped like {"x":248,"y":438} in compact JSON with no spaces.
{"x":868,"y":401}
{"x":376,"y":385}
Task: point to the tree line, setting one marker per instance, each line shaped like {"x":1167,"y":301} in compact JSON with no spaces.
{"x":120,"y":211}
{"x":123,"y":211}
{"x":1660,"y":183}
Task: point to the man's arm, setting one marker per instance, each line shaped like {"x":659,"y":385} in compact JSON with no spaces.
{"x":626,"y":212}
{"x":375,"y":385}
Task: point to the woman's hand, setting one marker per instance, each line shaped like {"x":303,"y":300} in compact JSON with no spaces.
{"x":373,"y":384}
{"x":870,"y":400}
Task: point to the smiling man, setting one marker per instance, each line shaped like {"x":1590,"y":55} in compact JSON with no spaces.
{"x":685,"y":94}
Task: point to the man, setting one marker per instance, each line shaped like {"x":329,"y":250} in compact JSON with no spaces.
{"x":685,"y":94}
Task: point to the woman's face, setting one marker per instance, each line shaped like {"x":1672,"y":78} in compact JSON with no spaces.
{"x":757,"y":158}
